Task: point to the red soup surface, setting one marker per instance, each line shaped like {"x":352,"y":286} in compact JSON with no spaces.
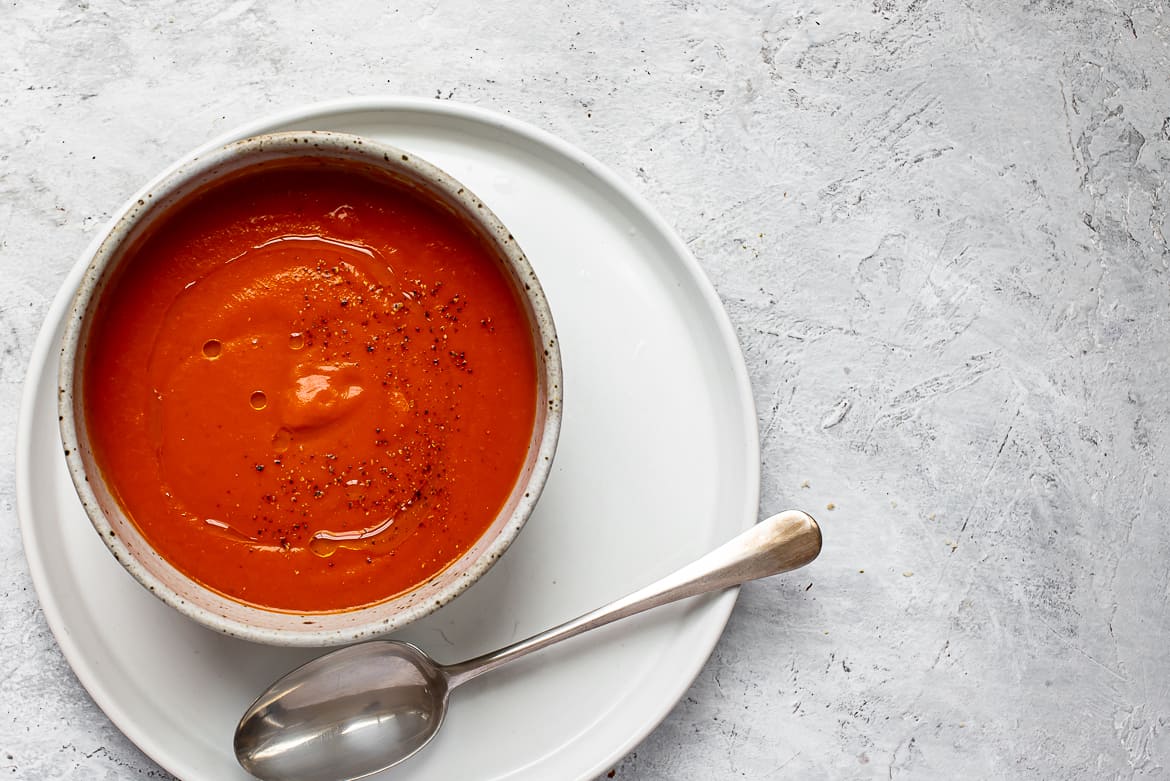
{"x":310,"y":389}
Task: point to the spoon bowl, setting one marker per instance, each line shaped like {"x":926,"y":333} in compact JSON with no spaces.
{"x":368,"y":707}
{"x":327,"y":719}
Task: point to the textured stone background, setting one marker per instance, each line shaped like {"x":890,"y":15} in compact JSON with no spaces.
{"x":940,"y":229}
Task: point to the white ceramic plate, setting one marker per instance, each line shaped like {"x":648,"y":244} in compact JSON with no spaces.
{"x":658,"y":462}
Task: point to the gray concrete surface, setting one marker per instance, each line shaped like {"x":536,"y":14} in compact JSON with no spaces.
{"x":940,"y":229}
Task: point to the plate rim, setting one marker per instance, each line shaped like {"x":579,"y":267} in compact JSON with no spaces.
{"x":44,"y":348}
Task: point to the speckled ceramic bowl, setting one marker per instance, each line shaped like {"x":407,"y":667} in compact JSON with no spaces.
{"x":125,"y":540}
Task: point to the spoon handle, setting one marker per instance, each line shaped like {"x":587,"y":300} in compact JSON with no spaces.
{"x":781,"y":543}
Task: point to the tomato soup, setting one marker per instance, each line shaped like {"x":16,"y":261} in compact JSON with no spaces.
{"x":311,"y":389}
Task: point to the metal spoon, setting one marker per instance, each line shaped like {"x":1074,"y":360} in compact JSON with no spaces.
{"x":368,"y":707}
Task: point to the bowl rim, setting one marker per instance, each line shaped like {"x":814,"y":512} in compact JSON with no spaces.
{"x":202,"y":170}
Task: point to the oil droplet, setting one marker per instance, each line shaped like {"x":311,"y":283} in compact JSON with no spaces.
{"x":323,"y":547}
{"x":259,"y":400}
{"x":281,"y":440}
{"x":296,"y":340}
{"x":353,"y":489}
{"x":326,"y":543}
{"x":228,"y":529}
{"x":212,"y":348}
